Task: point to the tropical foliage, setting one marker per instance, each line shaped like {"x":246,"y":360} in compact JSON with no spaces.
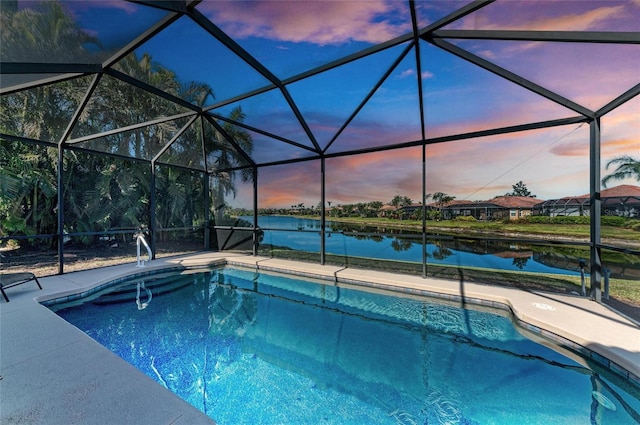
{"x":400,"y":200}
{"x":111,"y":191}
{"x":628,"y":167}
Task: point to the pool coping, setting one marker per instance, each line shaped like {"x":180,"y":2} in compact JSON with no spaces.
{"x":32,"y":338}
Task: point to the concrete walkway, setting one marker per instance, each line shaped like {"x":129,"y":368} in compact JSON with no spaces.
{"x":52,"y":373}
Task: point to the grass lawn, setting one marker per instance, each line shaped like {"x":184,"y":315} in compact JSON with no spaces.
{"x":578,"y":232}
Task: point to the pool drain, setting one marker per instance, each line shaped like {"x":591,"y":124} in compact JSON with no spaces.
{"x":603,"y":400}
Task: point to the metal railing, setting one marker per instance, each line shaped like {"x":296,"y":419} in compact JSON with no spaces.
{"x":141,"y":240}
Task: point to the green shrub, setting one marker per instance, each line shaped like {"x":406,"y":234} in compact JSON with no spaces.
{"x":572,"y":220}
{"x":635,"y":226}
{"x":538,"y":219}
{"x":612,"y":220}
{"x":543,"y":219}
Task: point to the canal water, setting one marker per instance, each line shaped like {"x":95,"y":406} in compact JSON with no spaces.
{"x":373,"y":242}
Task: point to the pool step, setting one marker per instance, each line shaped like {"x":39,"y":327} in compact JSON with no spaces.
{"x":158,"y":286}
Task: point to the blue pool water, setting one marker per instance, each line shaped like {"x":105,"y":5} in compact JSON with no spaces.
{"x":258,"y":348}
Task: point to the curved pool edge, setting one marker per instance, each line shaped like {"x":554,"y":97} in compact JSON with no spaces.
{"x":35,"y":335}
{"x":570,"y":322}
{"x":567,"y":322}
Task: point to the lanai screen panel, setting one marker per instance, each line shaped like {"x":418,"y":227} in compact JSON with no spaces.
{"x":204,"y":71}
{"x":234,"y":88}
{"x":453,"y":106}
{"x":359,"y":186}
{"x":42,"y":113}
{"x":180,"y":210}
{"x":69,"y":32}
{"x":289,"y":38}
{"x":329,"y":99}
{"x":620,"y":146}
{"x":284,"y":192}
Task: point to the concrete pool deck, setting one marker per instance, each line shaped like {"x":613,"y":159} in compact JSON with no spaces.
{"x":52,"y":373}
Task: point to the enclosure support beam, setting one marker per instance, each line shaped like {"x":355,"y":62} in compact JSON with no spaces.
{"x":152,"y":211}
{"x":256,"y":240}
{"x":375,"y":88}
{"x":424,"y":210}
{"x":60,"y":209}
{"x":207,"y":205}
{"x":206,"y":190}
{"x":619,"y":37}
{"x":595,"y":210}
{"x":416,"y":42}
{"x":618,"y":101}
{"x":60,"y":182}
{"x":323,"y":218}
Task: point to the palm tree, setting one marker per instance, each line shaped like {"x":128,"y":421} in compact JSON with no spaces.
{"x":628,"y":167}
{"x":228,"y":157}
{"x":400,"y":201}
{"x":137,"y":106}
{"x":46,"y":34}
{"x":442,"y":199}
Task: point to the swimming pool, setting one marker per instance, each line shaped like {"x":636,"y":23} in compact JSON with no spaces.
{"x":249,"y":347}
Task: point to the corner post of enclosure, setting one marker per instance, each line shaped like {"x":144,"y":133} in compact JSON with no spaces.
{"x":152,"y":211}
{"x":206,"y":186}
{"x":206,"y":206}
{"x":595,"y":210}
{"x":60,"y":183}
{"x":424,"y":210}
{"x":323,"y":217}
{"x":256,"y":240}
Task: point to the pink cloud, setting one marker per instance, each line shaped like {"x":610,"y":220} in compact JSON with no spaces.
{"x":286,"y":185}
{"x":572,"y":149}
{"x":581,"y":72}
{"x":615,"y":148}
{"x":475,"y":169}
{"x":549,"y":16}
{"x":578,"y":22}
{"x":317,"y":22}
{"x":589,"y":20}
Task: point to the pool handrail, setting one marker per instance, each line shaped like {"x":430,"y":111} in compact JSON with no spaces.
{"x":140,"y":239}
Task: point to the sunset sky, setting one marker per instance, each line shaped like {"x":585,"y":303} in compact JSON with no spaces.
{"x":291,"y":37}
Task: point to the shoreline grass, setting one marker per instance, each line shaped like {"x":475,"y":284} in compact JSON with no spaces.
{"x":575,"y":232}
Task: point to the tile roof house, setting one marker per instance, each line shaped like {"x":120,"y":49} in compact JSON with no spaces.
{"x":623,"y":201}
{"x":512,"y":207}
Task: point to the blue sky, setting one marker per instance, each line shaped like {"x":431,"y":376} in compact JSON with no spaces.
{"x":290,"y":37}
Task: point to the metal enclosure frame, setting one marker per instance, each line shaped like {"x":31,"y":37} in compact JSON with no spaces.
{"x":433,"y":34}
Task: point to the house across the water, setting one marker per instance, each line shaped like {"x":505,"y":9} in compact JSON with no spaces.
{"x":498,"y":208}
{"x":622,"y":201}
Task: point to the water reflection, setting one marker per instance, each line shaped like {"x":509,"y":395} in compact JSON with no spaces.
{"x":350,"y":240}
